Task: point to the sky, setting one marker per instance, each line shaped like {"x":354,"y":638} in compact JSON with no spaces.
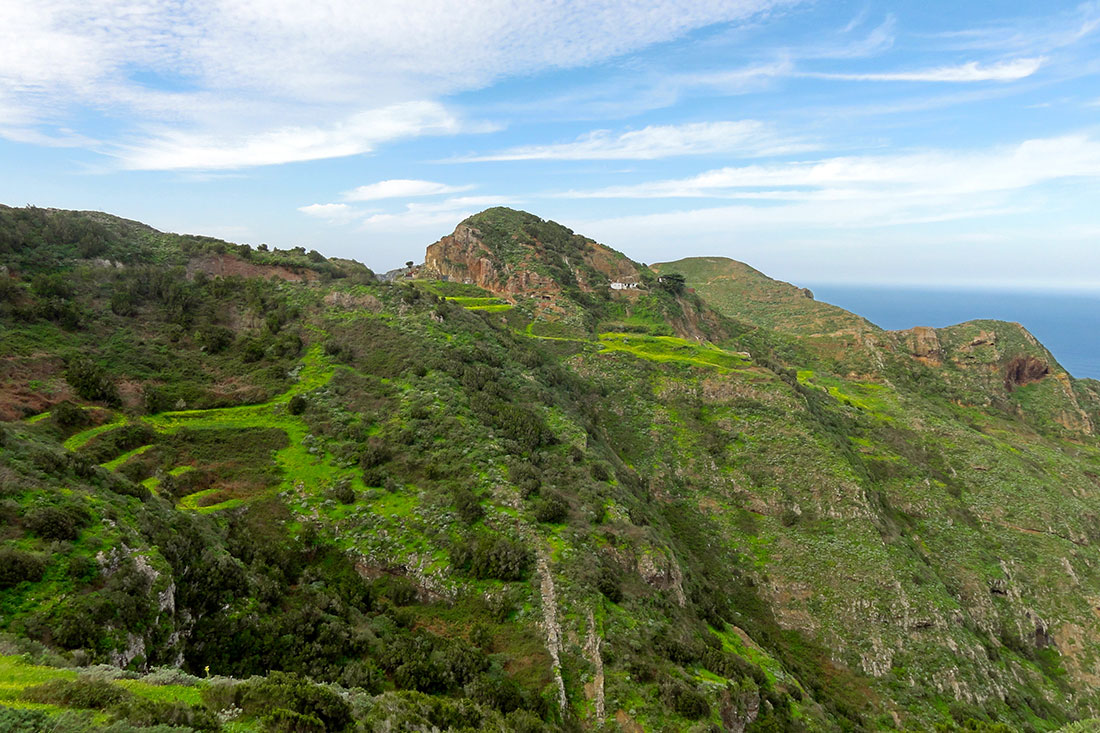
{"x":906,"y":142}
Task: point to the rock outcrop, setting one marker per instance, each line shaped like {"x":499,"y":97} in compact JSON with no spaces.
{"x":509,"y":252}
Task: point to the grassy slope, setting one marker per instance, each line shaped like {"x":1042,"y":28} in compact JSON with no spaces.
{"x":830,"y":549}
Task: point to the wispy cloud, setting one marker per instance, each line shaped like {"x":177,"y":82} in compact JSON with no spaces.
{"x":358,"y":134}
{"x":204,"y":74}
{"x":968,"y":72}
{"x":332,"y":213}
{"x":433,"y":217}
{"x":873,"y":177}
{"x":400,"y":188}
{"x":748,"y":138}
{"x":412,"y":215}
{"x":1040,"y":33}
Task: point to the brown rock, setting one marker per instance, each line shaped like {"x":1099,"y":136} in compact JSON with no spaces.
{"x":1024,"y":370}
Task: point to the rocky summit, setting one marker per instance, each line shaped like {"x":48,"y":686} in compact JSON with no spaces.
{"x":526,"y":485}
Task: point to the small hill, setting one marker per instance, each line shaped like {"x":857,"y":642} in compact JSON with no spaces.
{"x":742,"y":292}
{"x":567,"y":281}
{"x":507,"y":251}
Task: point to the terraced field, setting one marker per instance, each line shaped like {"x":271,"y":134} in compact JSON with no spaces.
{"x":294,"y":460}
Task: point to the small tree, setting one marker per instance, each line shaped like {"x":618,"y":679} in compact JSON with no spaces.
{"x":673,"y":282}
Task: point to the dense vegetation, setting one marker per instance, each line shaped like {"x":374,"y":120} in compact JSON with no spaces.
{"x":272,"y":500}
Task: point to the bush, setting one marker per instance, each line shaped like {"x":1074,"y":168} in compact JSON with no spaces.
{"x":684,"y":699}
{"x":17,"y":566}
{"x":297,"y":405}
{"x":252,"y":351}
{"x":374,"y":454}
{"x":468,"y":505}
{"x":282,"y":720}
{"x":214,"y":339}
{"x":342,"y":492}
{"x":495,"y":689}
{"x":492,"y":556}
{"x":68,"y":415}
{"x":146,"y":714}
{"x":90,"y":381}
{"x":609,"y":584}
{"x":78,"y":693}
{"x":554,"y":509}
{"x":374,"y":477}
{"x":280,"y":693}
{"x":363,"y":674}
{"x":56,"y":522}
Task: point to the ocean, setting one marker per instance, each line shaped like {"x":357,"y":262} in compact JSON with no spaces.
{"x":1066,"y":323}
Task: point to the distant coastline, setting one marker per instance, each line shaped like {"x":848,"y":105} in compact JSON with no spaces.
{"x":1067,"y":323}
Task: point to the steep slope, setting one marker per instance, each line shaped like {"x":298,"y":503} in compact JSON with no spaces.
{"x":467,"y":506}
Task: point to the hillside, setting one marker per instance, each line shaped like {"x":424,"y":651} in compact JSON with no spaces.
{"x":500,"y":493}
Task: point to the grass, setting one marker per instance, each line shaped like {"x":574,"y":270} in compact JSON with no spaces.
{"x":163,"y":693}
{"x":295,"y":460}
{"x":669,"y":349}
{"x":495,"y":308}
{"x":16,"y":675}
{"x":114,"y":465}
{"x":489,"y":305}
{"x":81,"y":439}
{"x":475,"y":302}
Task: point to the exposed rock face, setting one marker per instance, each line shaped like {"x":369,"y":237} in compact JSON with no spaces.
{"x":1024,"y":370}
{"x":923,"y":344}
{"x":464,"y":256}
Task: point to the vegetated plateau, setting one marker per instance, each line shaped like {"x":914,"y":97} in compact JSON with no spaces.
{"x":527,"y":485}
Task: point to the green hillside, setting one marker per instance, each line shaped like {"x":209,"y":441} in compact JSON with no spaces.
{"x":251,"y":490}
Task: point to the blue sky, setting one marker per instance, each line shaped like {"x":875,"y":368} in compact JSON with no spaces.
{"x":926,"y":143}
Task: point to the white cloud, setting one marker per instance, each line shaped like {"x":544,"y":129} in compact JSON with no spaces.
{"x":239,"y":82}
{"x":416,"y":216}
{"x":968,"y":72}
{"x":437,"y":217}
{"x":870,"y":177}
{"x":358,"y":134}
{"x":332,"y":213}
{"x":744,"y":137}
{"x":400,"y":188}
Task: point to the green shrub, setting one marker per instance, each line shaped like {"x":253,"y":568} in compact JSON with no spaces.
{"x":146,"y":714}
{"x":68,"y":415}
{"x":281,"y":720}
{"x":288,"y":692}
{"x":608,"y":582}
{"x":52,"y":285}
{"x":497,"y":690}
{"x":554,"y":509}
{"x":17,"y":566}
{"x":468,"y":505}
{"x":684,"y":699}
{"x":57,"y":522}
{"x":90,"y":381}
{"x":342,"y":492}
{"x":214,"y":339}
{"x":492,"y":556}
{"x":364,"y":674}
{"x":78,"y":693}
{"x":297,"y":405}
